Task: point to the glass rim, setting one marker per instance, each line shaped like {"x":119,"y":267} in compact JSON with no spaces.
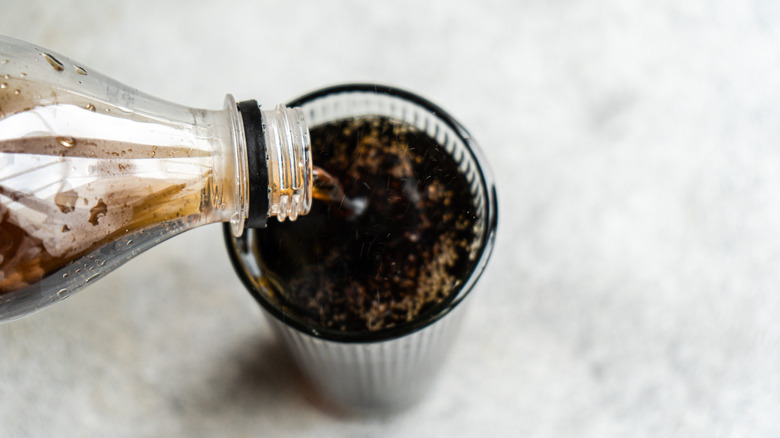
{"x":458,"y":294}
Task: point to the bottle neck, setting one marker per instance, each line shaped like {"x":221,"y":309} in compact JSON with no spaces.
{"x":278,"y":167}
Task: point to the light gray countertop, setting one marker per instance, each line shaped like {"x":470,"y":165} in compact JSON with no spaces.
{"x":633,"y":288}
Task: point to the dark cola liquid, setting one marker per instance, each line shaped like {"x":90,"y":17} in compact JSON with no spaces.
{"x":388,"y":237}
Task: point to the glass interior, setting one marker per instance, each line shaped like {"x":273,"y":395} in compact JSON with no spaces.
{"x":350,"y":101}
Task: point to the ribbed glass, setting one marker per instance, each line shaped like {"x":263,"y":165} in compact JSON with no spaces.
{"x":384,"y":370}
{"x":369,"y":377}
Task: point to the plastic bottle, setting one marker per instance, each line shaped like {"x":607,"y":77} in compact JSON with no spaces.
{"x":93,"y":172}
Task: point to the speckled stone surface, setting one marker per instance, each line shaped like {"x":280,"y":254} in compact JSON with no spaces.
{"x":634,"y":286}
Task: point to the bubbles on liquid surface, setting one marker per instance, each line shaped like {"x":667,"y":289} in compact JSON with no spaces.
{"x":54,"y":62}
{"x":68,"y":142}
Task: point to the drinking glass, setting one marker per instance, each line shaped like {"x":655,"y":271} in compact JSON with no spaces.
{"x":387,"y":369}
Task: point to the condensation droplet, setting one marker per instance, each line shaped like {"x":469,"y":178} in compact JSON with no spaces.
{"x":65,"y":275}
{"x":17,"y":92}
{"x":55,"y":63}
{"x":68,"y":142}
{"x":90,"y":107}
{"x":129,"y":242}
{"x":80,"y":70}
{"x":5,"y":61}
{"x":62,"y":293}
{"x":6,"y":76}
{"x":22,"y":75}
{"x":3,"y":86}
{"x":92,"y":277}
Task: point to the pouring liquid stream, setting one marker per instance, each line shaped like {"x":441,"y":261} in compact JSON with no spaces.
{"x":327,"y":188}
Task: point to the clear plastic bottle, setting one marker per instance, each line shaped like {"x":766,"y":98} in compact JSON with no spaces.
{"x":92,"y":173}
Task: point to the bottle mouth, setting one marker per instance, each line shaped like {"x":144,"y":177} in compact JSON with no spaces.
{"x":288,"y":159}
